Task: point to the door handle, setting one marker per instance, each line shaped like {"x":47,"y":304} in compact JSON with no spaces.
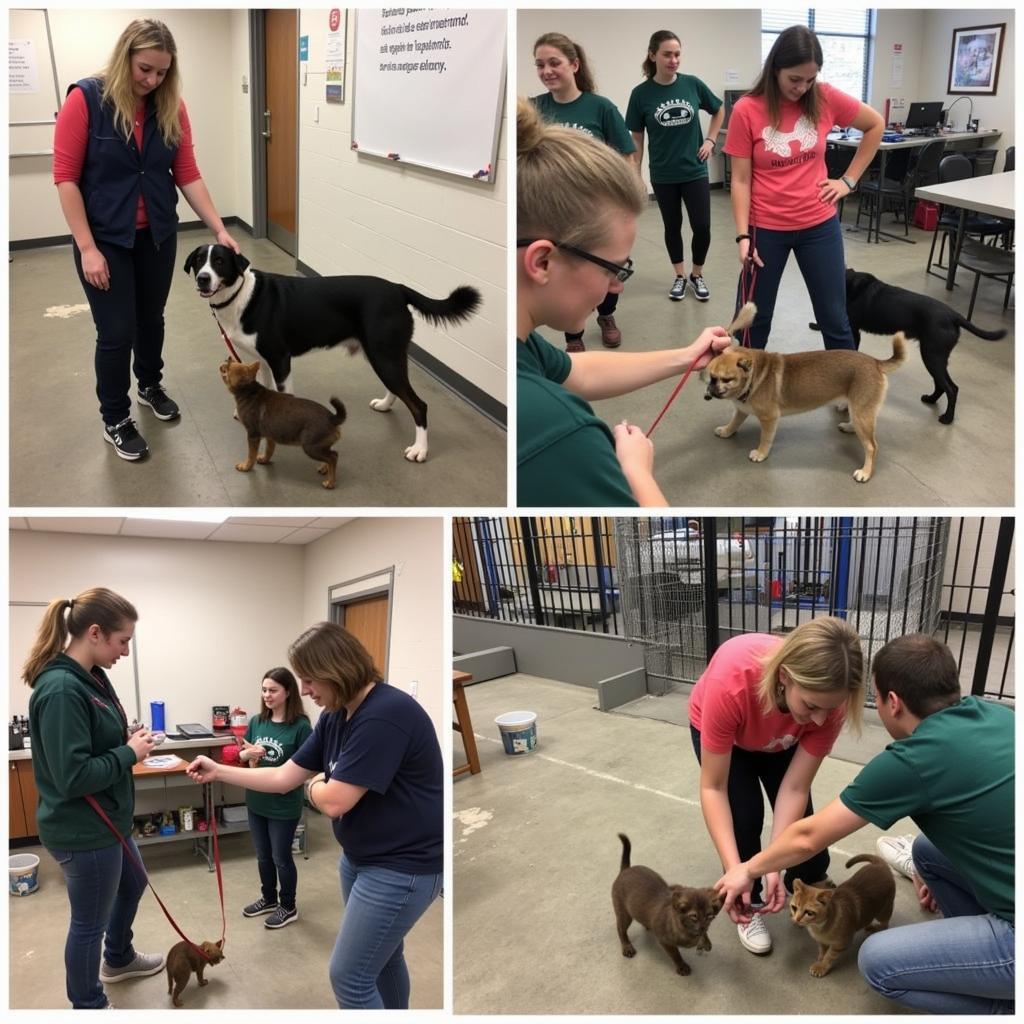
{"x":266,"y":131}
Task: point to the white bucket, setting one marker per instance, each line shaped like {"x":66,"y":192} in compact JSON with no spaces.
{"x":518,"y":731}
{"x":23,"y":869}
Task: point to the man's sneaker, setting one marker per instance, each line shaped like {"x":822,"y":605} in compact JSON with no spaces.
{"x":575,"y":345}
{"x":144,"y":964}
{"x":896,"y":851}
{"x":700,"y":289}
{"x":281,"y":917}
{"x":611,"y":336}
{"x":127,"y":441}
{"x":156,"y":398}
{"x":261,"y":906}
{"x":754,"y":936}
{"x":678,"y":290}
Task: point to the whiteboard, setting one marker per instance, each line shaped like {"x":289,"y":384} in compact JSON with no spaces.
{"x":429,"y":85}
{"x":32,"y":90}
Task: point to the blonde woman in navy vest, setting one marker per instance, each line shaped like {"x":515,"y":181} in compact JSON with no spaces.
{"x":122,"y":147}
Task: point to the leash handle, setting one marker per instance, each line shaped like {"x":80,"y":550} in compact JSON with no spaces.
{"x":747,"y":282}
{"x":678,"y":388}
{"x":91,"y":800}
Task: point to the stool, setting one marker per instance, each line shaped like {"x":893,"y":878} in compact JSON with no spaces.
{"x":463,"y":725}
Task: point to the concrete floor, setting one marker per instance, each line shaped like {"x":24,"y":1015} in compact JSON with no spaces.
{"x":535,"y":853}
{"x":921,"y":462}
{"x":262,"y":969}
{"x":59,"y":457}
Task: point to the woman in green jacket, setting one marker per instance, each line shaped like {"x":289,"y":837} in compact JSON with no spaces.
{"x":81,"y":747}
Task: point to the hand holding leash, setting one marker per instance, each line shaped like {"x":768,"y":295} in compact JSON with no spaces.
{"x":747,"y":253}
{"x":634,"y":450}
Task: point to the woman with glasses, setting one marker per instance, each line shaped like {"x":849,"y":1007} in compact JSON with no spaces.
{"x":667,"y":106}
{"x":571,"y":100}
{"x":577,"y":205}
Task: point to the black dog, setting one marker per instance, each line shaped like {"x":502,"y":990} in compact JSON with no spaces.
{"x":273,"y":317}
{"x":880,"y":308}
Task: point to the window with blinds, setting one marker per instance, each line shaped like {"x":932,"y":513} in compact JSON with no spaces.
{"x":845,"y":37}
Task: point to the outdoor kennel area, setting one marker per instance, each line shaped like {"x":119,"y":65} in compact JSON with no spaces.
{"x":553,"y":616}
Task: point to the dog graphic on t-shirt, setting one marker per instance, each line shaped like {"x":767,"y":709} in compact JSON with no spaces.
{"x":779,"y":743}
{"x":778,"y":142}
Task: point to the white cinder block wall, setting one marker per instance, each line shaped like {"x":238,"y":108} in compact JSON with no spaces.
{"x":365,"y":215}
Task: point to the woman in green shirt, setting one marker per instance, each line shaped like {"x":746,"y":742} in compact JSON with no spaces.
{"x":571,"y":99}
{"x":668,"y":107}
{"x":272,"y":737}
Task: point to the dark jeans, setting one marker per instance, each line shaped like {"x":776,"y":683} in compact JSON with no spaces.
{"x":749,"y":770}
{"x":129,"y":319}
{"x":104,"y":888}
{"x":273,"y":841}
{"x":820,"y":257}
{"x":696,"y":197}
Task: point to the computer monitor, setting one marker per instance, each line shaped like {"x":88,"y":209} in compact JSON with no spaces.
{"x":729,"y":98}
{"x":924,"y":115}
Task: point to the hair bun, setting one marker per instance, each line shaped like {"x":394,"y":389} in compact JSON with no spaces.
{"x":529,"y":127}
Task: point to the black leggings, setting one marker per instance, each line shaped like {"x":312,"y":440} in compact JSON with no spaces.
{"x":696,"y":196}
{"x":749,"y":770}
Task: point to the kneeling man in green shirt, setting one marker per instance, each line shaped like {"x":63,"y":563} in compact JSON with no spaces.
{"x":950,"y":769}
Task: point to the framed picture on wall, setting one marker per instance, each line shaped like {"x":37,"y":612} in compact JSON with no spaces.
{"x":974,"y":60}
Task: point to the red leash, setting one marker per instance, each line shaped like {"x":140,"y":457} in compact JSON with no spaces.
{"x":678,"y":388}
{"x":748,"y":279}
{"x":227,"y":340}
{"x":131,"y":853}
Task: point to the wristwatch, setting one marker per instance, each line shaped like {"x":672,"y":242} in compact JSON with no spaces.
{"x":848,"y":182}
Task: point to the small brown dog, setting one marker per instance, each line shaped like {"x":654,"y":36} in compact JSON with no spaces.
{"x":282,"y":419}
{"x":834,"y":916}
{"x":677,"y":916}
{"x":183,"y":959}
{"x":771,"y":385}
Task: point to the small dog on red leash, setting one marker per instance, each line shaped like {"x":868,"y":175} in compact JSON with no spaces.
{"x":282,"y":419}
{"x":183,"y":959}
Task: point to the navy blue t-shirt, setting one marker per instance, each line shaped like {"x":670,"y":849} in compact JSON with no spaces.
{"x":390,"y":747}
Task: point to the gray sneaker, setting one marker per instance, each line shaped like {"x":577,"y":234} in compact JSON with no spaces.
{"x":144,"y":964}
{"x":678,"y":290}
{"x":700,"y":289}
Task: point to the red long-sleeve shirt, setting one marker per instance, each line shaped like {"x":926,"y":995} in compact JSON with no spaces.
{"x":71,"y":138}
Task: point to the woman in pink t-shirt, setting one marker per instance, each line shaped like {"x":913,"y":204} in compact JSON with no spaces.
{"x":765,"y":713}
{"x":782,"y":198}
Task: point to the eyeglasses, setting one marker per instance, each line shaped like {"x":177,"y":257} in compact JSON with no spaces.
{"x":621,"y":272}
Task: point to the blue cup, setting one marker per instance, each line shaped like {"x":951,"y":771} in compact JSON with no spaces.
{"x":156,"y":712}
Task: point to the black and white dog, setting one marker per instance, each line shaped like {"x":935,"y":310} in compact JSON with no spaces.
{"x":273,"y":317}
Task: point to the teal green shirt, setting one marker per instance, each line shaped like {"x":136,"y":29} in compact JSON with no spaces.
{"x":566,"y":454}
{"x":591,"y":114}
{"x":79,"y":747}
{"x":670,"y":114}
{"x":280,"y":741}
{"x":954,"y":777}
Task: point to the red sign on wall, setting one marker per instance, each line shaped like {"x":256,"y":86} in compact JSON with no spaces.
{"x":334,"y":19}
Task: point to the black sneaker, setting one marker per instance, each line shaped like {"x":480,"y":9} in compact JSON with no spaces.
{"x":678,"y":290}
{"x":156,"y":398}
{"x":281,"y":917}
{"x":261,"y":906}
{"x":700,"y":289}
{"x":127,"y":441}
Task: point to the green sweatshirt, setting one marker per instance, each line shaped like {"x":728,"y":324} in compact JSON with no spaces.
{"x":79,"y":747}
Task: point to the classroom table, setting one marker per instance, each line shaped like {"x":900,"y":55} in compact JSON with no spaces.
{"x":991,"y":193}
{"x":847,"y":141}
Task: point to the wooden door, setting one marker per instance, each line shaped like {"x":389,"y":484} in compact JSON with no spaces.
{"x":16,"y":811}
{"x":29,"y":796}
{"x":367,"y":620}
{"x":281,"y":39}
{"x":470,"y":592}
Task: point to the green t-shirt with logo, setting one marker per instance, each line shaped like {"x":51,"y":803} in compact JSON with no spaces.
{"x":954,"y":777}
{"x":670,"y":114}
{"x":591,"y":114}
{"x":280,"y":741}
{"x":566,"y":454}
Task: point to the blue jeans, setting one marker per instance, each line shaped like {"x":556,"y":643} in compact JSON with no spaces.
{"x":273,"y":841}
{"x":129,"y":319}
{"x":820,"y":257}
{"x":104,"y":888}
{"x":367,"y":969}
{"x":961,"y":964}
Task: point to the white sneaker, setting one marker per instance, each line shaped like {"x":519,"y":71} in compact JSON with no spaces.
{"x":896,"y":850}
{"x":754,"y":936}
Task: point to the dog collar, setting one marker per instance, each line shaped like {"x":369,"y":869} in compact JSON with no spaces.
{"x":746,"y":394}
{"x":222,"y":305}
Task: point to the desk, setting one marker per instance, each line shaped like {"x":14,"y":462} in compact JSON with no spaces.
{"x":918,"y":140}
{"x":991,"y":193}
{"x":463,"y":725}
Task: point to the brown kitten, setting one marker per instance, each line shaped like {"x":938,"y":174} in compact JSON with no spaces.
{"x":182,"y":960}
{"x":677,"y":916}
{"x":834,"y":916}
